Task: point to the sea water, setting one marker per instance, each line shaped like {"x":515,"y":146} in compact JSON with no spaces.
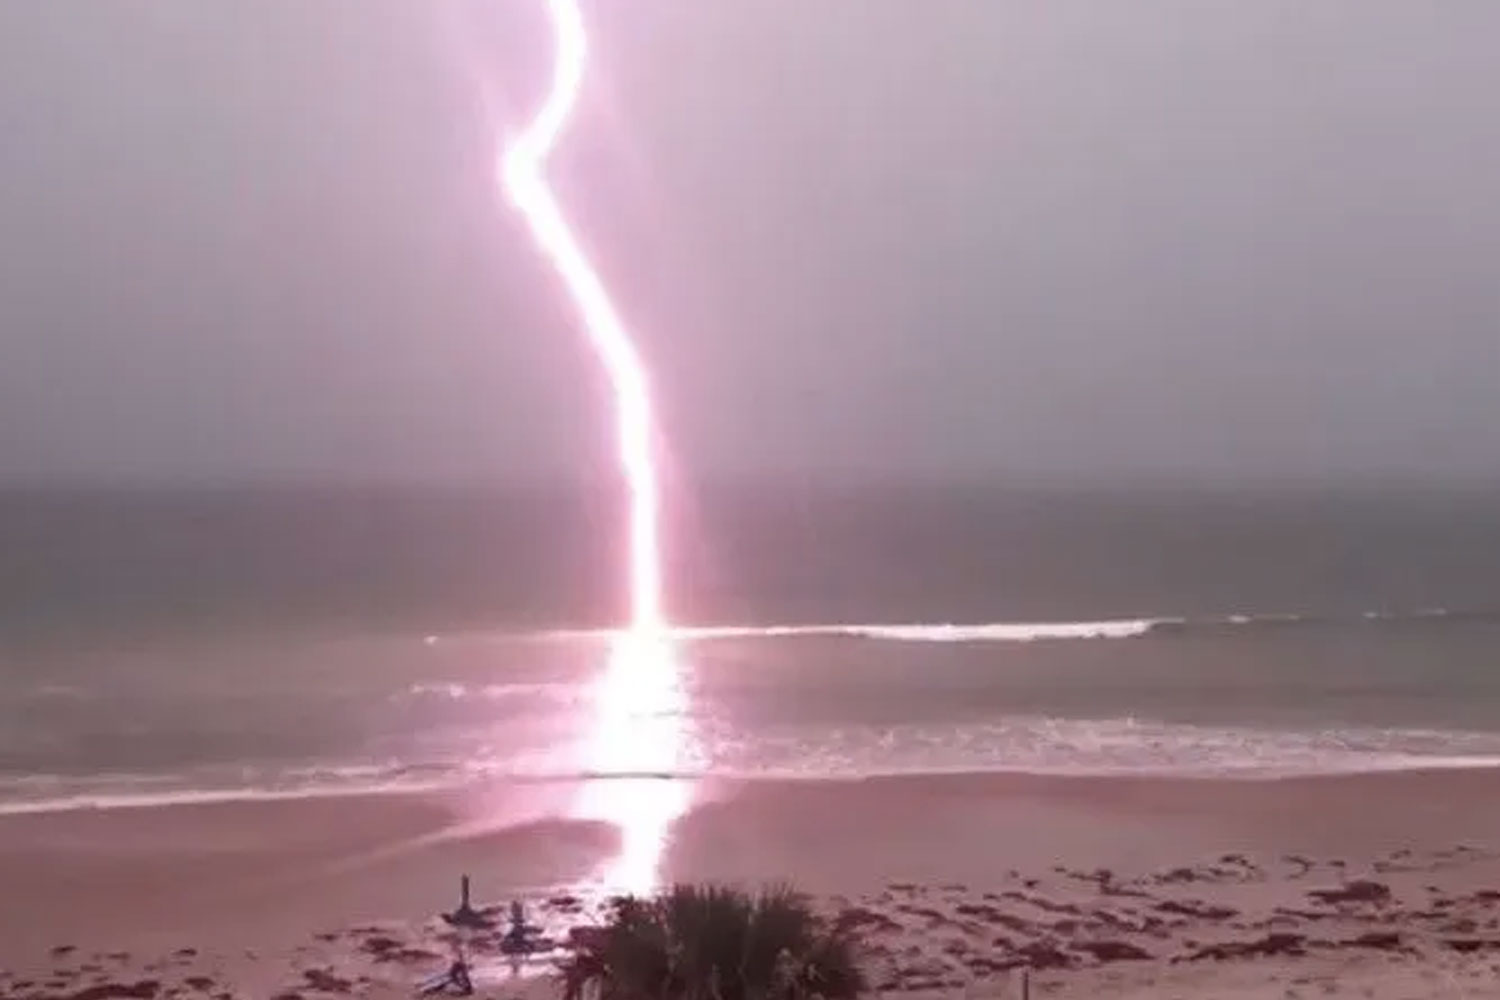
{"x":161,"y":646}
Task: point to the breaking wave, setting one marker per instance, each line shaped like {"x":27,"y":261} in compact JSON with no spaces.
{"x":946,"y":632}
{"x":1115,"y":628}
{"x":1021,"y":745}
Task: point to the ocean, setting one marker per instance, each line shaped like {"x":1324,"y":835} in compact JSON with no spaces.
{"x":160,"y":646}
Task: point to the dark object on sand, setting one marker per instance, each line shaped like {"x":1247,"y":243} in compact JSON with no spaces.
{"x":1114,"y":951}
{"x":324,"y":981}
{"x":1379,"y":940}
{"x":1354,"y":892}
{"x":1270,"y":946}
{"x":466,"y":916}
{"x":1201,"y":911}
{"x":142,"y":990}
{"x":702,"y":941}
{"x":454,"y":982}
{"x":521,"y":938}
{"x":1043,"y":955}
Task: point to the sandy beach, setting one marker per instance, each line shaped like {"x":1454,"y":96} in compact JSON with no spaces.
{"x":1375,"y":885}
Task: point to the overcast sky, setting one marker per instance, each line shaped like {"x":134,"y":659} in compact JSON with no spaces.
{"x":256,"y":240}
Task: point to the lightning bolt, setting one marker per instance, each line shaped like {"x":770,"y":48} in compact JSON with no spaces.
{"x":523,"y":175}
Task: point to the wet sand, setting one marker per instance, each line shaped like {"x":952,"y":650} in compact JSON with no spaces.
{"x":953,"y":881}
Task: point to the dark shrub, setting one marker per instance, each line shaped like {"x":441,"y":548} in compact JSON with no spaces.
{"x":715,"y":943}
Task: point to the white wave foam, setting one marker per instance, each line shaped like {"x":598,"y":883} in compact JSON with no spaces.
{"x":1035,"y":745}
{"x":1122,"y":628}
{"x":1007,"y":633}
{"x":457,"y":690}
{"x":1044,"y":745}
{"x":102,"y":800}
{"x":1108,"y":628}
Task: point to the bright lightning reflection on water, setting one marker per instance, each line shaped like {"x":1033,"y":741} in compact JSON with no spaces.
{"x":634,"y":748}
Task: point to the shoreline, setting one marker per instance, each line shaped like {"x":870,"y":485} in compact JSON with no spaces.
{"x":192,"y":799}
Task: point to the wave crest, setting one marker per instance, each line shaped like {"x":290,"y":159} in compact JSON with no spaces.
{"x":1108,"y":628}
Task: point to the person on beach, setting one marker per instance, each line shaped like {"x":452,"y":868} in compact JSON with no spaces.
{"x":466,"y":915}
{"x":455,"y":981}
{"x":519,"y":938}
{"x":458,"y":977}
